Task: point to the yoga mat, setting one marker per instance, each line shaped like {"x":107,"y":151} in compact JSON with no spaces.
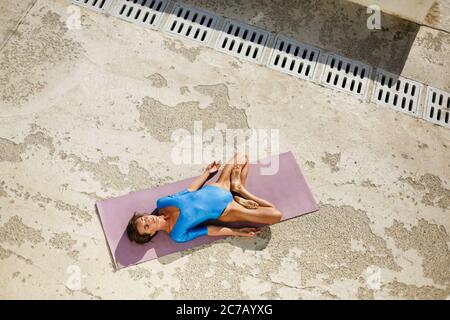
{"x":286,"y":189}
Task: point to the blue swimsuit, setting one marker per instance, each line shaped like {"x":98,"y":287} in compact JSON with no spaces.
{"x":195,"y":208}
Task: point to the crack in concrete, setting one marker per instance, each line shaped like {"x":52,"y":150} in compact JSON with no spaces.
{"x":3,"y":45}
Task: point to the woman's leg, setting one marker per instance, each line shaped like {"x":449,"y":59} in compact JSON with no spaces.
{"x":238,"y":187}
{"x":235,"y":212}
{"x":244,"y":171}
{"x":247,"y":203}
{"x":252,"y":208}
{"x":224,"y":179}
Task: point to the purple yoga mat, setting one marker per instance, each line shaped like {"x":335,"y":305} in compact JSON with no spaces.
{"x":286,"y":189}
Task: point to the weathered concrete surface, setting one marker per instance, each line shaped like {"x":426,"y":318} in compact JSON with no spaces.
{"x":429,"y":58}
{"x":337,"y":26}
{"x":414,"y":10}
{"x":87,"y":114}
{"x":11,"y":15}
{"x":340,"y":26}
{"x":439,"y":15}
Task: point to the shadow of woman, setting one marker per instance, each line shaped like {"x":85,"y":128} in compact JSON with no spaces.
{"x":166,"y":251}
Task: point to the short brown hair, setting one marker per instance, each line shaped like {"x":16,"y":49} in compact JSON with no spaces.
{"x":133,"y":233}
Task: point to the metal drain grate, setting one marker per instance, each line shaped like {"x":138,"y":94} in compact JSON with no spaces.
{"x":147,"y":13}
{"x":294,"y":58}
{"x":243,"y":41}
{"x":346,"y":75}
{"x":97,"y":5}
{"x":396,"y":92}
{"x":437,"y":107}
{"x":191,"y":23}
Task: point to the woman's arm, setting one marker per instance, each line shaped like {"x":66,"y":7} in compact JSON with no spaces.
{"x":227,"y":231}
{"x":213,"y":231}
{"x":198,"y":183}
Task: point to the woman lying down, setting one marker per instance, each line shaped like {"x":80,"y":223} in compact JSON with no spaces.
{"x":181,"y":214}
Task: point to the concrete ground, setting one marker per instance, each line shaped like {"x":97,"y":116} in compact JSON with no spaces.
{"x":88,"y":114}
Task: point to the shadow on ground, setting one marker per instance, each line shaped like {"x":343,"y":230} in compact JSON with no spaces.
{"x":338,"y":26}
{"x":258,"y":243}
{"x":128,"y":255}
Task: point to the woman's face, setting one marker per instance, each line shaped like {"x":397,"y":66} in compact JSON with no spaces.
{"x":147,"y":224}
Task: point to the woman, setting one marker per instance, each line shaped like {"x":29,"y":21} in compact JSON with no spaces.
{"x":181,"y":214}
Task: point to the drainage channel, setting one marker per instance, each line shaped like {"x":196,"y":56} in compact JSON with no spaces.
{"x":191,"y":23}
{"x":97,"y":5}
{"x":437,"y":107}
{"x":242,"y":41}
{"x":288,"y":56}
{"x":146,"y":13}
{"x":346,"y":75}
{"x":294,"y":58}
{"x":397,"y":93}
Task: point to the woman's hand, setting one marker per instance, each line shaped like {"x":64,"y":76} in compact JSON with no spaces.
{"x":248,"y":232}
{"x":200,"y":180}
{"x":213,"y":167}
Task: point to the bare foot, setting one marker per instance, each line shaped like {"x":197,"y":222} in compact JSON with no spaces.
{"x":246,"y":203}
{"x":236,"y":184}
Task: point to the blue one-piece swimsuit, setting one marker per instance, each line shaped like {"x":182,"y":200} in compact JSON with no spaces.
{"x":195,"y":208}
